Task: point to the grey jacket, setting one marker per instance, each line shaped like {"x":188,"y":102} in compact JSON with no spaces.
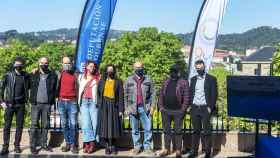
{"x":130,"y":94}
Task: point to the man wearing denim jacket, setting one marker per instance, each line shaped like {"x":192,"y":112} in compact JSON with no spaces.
{"x":139,"y":98}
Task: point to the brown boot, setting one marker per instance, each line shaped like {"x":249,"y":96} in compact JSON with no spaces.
{"x":178,"y":154}
{"x":164,"y":153}
{"x":85,"y":147}
{"x":91,"y":148}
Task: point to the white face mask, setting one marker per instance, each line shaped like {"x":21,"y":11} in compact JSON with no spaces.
{"x":67,"y":67}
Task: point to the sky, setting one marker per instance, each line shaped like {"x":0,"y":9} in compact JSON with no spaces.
{"x":177,"y":16}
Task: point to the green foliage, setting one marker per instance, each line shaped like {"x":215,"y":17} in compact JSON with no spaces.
{"x":158,"y":51}
{"x":54,"y":51}
{"x":276,"y":62}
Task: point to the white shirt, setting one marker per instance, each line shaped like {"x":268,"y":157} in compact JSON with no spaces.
{"x":199,"y":97}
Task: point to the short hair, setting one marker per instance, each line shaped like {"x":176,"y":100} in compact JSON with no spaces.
{"x":175,"y":67}
{"x":199,"y":62}
{"x":19,"y":59}
{"x":43,"y":58}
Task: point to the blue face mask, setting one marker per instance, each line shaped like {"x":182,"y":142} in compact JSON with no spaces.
{"x":140,"y":72}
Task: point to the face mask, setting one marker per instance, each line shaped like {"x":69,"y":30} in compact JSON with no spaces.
{"x":174,"y":75}
{"x":18,"y":67}
{"x":44,"y":68}
{"x":139,"y":72}
{"x":92,"y":72}
{"x":200,"y":72}
{"x":111,"y":74}
{"x":67,"y":67}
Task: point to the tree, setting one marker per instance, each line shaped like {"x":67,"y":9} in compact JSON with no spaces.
{"x":276,"y":61}
{"x":158,"y":51}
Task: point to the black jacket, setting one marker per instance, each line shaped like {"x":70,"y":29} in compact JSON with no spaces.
{"x":51,"y":87}
{"x":8,"y":85}
{"x":210,"y":89}
{"x":119,"y":99}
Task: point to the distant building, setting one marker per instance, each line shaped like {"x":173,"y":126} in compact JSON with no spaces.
{"x":74,"y":42}
{"x":259,"y":62}
{"x":220,"y":56}
{"x":2,"y":38}
{"x":251,"y":51}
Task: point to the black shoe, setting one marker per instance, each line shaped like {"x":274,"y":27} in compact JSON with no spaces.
{"x":66,"y":148}
{"x":17,"y":149}
{"x":34,"y":151}
{"x":114,"y":150}
{"x":107,"y":151}
{"x":208,"y":155}
{"x":74,"y":149}
{"x":4,"y":151}
{"x":192,"y":154}
{"x":47,"y":148}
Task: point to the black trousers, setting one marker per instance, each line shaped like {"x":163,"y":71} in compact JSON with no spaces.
{"x":167,"y":118}
{"x":39,"y":111}
{"x":19,"y":112}
{"x":201,"y":121}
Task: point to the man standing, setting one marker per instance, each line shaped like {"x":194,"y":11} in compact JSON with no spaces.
{"x":42,"y":95}
{"x":67,"y":104}
{"x":139,"y":98}
{"x":173,"y":102}
{"x":14,"y":94}
{"x":204,"y":97}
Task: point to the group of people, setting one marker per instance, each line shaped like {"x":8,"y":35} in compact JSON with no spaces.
{"x":102,"y":100}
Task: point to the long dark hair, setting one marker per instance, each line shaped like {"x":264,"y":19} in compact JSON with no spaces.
{"x":105,"y":74}
{"x":97,"y":74}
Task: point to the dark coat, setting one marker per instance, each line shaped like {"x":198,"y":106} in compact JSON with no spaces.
{"x":8,"y":84}
{"x":119,"y":94}
{"x":210,"y":89}
{"x":182,"y":93}
{"x":51,"y":87}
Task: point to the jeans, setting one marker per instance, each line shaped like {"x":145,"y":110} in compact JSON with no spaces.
{"x":39,"y":111}
{"x":89,"y":116}
{"x":68,"y":115}
{"x":146,"y":123}
{"x":19,"y":111}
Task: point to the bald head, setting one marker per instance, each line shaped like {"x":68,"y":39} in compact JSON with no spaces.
{"x":44,"y":65}
{"x":66,"y":60}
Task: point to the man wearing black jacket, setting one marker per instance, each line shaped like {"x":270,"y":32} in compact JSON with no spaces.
{"x":204,"y":97}
{"x":14,"y":94}
{"x":42,"y":96}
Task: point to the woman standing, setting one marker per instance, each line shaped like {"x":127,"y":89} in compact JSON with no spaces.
{"x":110,"y":101}
{"x":89,"y":111}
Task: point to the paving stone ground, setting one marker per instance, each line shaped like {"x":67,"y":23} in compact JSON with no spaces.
{"x":123,"y":153}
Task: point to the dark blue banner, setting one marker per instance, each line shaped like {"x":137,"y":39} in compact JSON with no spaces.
{"x":94,"y":28}
{"x":256,"y":97}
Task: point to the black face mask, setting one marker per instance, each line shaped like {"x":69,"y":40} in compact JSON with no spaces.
{"x":19,"y":68}
{"x":44,"y":68}
{"x":93,"y":72}
{"x":139,"y":72}
{"x":174,"y":75}
{"x":200,"y":72}
{"x":111,"y":75}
